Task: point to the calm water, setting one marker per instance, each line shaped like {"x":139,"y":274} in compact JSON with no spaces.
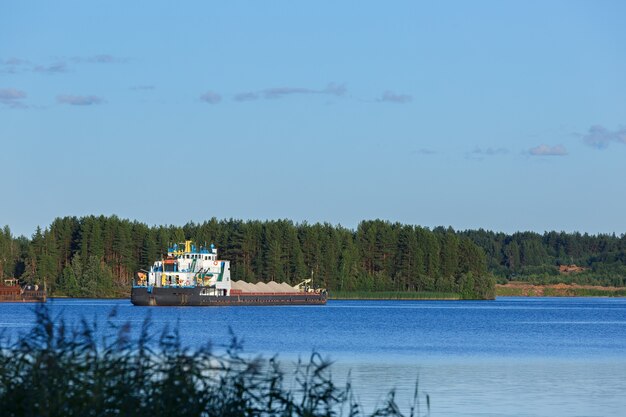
{"x":509,"y":357}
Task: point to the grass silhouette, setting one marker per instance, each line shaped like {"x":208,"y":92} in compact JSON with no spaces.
{"x":61,"y":370}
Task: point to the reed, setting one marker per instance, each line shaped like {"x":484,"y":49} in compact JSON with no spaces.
{"x":557,"y":291}
{"x":393,"y":295}
{"x":585,"y":292}
{"x":58,"y":370}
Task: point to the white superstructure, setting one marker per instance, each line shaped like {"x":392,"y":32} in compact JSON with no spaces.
{"x":190,"y":266}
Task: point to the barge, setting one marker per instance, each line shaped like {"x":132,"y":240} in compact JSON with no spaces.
{"x":194,"y":276}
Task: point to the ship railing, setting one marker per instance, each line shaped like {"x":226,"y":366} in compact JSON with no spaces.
{"x":144,"y":285}
{"x":35,"y":293}
{"x":140,"y":283}
{"x":273,"y":293}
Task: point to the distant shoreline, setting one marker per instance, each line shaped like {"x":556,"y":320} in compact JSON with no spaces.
{"x":512,"y":289}
{"x":374,"y":298}
{"x":391,"y":295}
{"x":524,"y":289}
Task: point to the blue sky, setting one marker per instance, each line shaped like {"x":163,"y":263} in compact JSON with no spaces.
{"x":502,"y":115}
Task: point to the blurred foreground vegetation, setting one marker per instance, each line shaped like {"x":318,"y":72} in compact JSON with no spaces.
{"x":56,"y":370}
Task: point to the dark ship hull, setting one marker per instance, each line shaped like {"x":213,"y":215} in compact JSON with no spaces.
{"x":198,"y":296}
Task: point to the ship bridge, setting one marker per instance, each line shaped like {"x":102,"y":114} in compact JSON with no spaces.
{"x":188,"y":265}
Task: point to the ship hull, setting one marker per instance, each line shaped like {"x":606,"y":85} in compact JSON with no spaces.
{"x":159,"y":296}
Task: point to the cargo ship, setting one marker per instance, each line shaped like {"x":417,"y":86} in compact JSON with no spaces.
{"x":12,"y":292}
{"x":194,"y":276}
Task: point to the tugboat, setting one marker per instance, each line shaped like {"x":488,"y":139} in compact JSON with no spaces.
{"x":194,"y":276}
{"x":12,"y":292}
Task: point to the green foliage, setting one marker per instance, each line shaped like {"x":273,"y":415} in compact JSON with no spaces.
{"x":585,"y":292}
{"x":11,"y":254}
{"x":532,"y":257}
{"x":92,"y":279}
{"x":97,"y":256}
{"x":521,"y":291}
{"x":55,"y":370}
{"x":377,"y":256}
{"x":393,"y":295}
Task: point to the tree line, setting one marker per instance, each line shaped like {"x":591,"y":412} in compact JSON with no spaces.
{"x":97,"y":256}
{"x":534,"y":257}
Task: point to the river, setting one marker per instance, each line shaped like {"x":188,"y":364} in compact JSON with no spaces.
{"x":508,"y":357}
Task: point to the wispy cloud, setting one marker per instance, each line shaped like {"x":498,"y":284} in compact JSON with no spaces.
{"x":424,"y":151}
{"x":100,"y":59}
{"x":13,"y":65}
{"x":547,"y":150}
{"x":478,"y":153}
{"x":59,"y":65}
{"x":600,"y":137}
{"x":55,"y":68}
{"x":279,"y":92}
{"x":335,"y":89}
{"x":15,"y":61}
{"x":12,"y":97}
{"x":79,"y":100}
{"x":211,"y":97}
{"x":106,"y":59}
{"x":391,"y":97}
{"x":17,"y":65}
{"x":249,"y":96}
{"x":489,"y":151}
{"x":273,"y":93}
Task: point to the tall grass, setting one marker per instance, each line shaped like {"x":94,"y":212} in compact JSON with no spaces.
{"x":546,"y":291}
{"x":393,"y":295}
{"x":584,"y":292}
{"x":58,"y":370}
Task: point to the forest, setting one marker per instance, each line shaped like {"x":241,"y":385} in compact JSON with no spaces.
{"x":97,"y":256}
{"x":546,"y":258}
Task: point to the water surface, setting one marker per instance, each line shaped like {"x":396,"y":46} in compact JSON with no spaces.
{"x":509,"y":357}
